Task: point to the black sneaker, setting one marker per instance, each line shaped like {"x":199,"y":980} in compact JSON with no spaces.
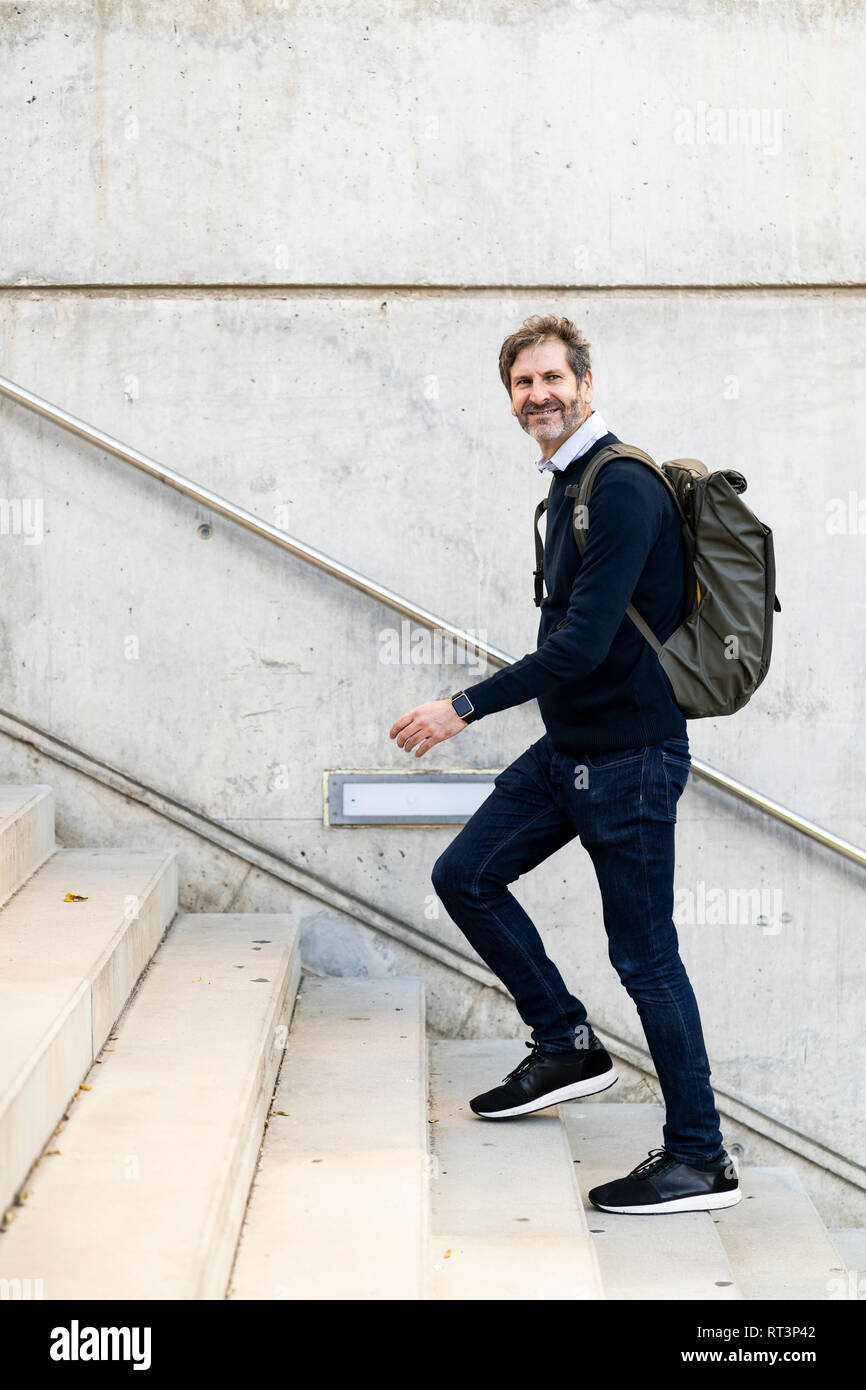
{"x":547,"y":1078}
{"x":662,"y":1183}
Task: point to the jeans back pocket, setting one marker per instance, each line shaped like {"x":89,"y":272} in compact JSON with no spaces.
{"x":676,"y":765}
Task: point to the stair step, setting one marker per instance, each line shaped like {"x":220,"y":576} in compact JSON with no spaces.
{"x":678,"y":1255}
{"x":26,"y":834}
{"x":338,"y":1208}
{"x":850,"y":1241}
{"x":66,"y":971}
{"x":507,"y":1221}
{"x":778,"y":1245}
{"x":146,"y":1198}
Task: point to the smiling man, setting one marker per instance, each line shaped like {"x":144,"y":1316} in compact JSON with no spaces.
{"x":610,"y":769}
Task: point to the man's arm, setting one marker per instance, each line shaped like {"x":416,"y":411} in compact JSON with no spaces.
{"x":626,"y":516}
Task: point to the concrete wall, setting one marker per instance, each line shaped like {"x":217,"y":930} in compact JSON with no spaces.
{"x":278,"y":249}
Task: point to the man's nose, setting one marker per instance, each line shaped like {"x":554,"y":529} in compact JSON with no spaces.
{"x":538,"y":394}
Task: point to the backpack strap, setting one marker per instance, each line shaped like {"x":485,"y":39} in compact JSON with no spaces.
{"x":581,"y":491}
{"x":644,"y":629}
{"x":538,"y":572}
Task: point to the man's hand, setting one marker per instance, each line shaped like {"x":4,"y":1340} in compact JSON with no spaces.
{"x":426,"y":726}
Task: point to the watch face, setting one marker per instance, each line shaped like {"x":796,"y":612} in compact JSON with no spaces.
{"x":462,"y":705}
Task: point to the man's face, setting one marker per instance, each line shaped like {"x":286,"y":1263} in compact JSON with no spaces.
{"x":546,"y":397}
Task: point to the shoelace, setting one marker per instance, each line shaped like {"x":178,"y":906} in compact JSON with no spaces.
{"x":523,"y":1067}
{"x":658,"y":1160}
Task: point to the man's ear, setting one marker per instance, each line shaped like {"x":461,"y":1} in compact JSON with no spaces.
{"x":589,"y":390}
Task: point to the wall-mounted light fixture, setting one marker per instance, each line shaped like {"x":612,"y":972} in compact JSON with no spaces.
{"x":404,"y":798}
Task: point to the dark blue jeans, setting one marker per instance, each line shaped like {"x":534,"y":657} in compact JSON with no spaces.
{"x":623,"y":806}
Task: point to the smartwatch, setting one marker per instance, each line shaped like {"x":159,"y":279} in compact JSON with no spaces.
{"x":464,"y":706}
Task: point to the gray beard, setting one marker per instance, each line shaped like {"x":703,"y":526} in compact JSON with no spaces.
{"x":569,"y":420}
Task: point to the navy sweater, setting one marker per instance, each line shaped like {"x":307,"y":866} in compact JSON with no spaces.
{"x":598,"y":683}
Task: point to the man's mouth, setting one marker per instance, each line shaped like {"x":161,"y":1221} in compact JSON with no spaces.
{"x":545,"y":414}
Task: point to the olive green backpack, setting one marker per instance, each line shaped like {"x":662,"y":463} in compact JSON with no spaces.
{"x":717,"y":657}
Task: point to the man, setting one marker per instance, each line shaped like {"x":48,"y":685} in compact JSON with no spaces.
{"x":610,"y":769}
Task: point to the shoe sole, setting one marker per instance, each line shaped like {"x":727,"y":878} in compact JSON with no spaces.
{"x":577,"y":1089}
{"x":708,"y":1201}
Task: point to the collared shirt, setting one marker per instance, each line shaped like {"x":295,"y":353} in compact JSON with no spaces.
{"x":575,"y":445}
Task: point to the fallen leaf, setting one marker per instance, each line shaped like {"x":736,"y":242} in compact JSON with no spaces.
{"x":52,"y":1151}
{"x":10,"y":1217}
{"x":447,"y":1253}
{"x":82,"y":1087}
{"x":281,"y":1112}
{"x":197,"y":980}
{"x":74,"y":898}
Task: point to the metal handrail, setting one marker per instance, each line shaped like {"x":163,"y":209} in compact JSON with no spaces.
{"x":396,"y":601}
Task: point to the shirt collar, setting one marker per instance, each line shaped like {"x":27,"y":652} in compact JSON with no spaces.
{"x":576,"y":444}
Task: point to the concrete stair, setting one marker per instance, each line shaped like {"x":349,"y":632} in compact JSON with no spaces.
{"x":778,"y":1245}
{"x":138,"y":1053}
{"x":66,"y":968}
{"x":679,"y":1256}
{"x":507,"y":1222}
{"x":339,"y":1205}
{"x":26,"y":834}
{"x":335,"y":1213}
{"x":246,"y":1135}
{"x":771,"y":1245}
{"x":146,"y":1197}
{"x":850,"y":1241}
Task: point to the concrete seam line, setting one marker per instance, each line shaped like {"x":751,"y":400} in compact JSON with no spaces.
{"x":56,"y":749}
{"x":359,"y":289}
